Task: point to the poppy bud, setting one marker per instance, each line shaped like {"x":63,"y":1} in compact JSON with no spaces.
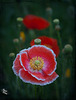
{"x":68,"y":48}
{"x":57,"y":27}
{"x":56,"y":21}
{"x":16,"y":40}
{"x":20,"y":19}
{"x":37,"y":41}
{"x":12,"y":55}
{"x":49,"y":11}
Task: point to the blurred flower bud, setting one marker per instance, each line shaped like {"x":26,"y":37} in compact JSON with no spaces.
{"x":16,"y":40}
{"x":67,"y":73}
{"x":22,"y":36}
{"x":68,"y":48}
{"x":49,"y":11}
{"x":57,"y":27}
{"x":56,"y":21}
{"x":20,"y":19}
{"x":12,"y":55}
{"x":37,"y":41}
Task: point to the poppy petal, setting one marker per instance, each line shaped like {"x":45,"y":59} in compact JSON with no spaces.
{"x":27,"y":78}
{"x":24,"y":50}
{"x":35,"y":22}
{"x":51,"y":78}
{"x":24,"y":60}
{"x":41,"y":23}
{"x":16,"y":65}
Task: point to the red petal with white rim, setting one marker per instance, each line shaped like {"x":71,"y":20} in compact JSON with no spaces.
{"x":16,"y":65}
{"x":24,"y":60}
{"x":24,"y":50}
{"x":27,"y":78}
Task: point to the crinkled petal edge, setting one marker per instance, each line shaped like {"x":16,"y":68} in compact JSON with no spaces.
{"x":13,"y":66}
{"x":33,"y":83}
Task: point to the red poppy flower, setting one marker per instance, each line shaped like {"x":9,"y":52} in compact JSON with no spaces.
{"x":36,"y":65}
{"x":35,"y":22}
{"x":49,"y":42}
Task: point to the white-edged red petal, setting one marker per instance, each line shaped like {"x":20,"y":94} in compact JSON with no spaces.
{"x":16,"y":65}
{"x":27,"y":78}
{"x":24,"y":50}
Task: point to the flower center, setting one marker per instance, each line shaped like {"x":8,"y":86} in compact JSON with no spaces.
{"x":36,"y":63}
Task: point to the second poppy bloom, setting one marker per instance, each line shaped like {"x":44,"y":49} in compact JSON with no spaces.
{"x":49,"y":42}
{"x":35,"y":22}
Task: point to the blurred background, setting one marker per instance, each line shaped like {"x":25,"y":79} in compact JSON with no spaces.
{"x":10,"y":30}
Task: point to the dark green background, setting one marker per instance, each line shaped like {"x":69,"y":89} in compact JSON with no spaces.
{"x":9,"y":11}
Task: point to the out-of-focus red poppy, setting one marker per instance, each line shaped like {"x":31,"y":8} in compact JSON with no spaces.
{"x":49,"y":42}
{"x":35,"y":22}
{"x":36,"y":65}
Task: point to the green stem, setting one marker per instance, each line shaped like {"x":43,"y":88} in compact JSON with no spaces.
{"x":50,"y":27}
{"x":57,"y":90}
{"x":35,"y":88}
{"x":16,"y":83}
{"x":61,"y":63}
{"x":59,"y":38}
{"x":41,"y":92}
